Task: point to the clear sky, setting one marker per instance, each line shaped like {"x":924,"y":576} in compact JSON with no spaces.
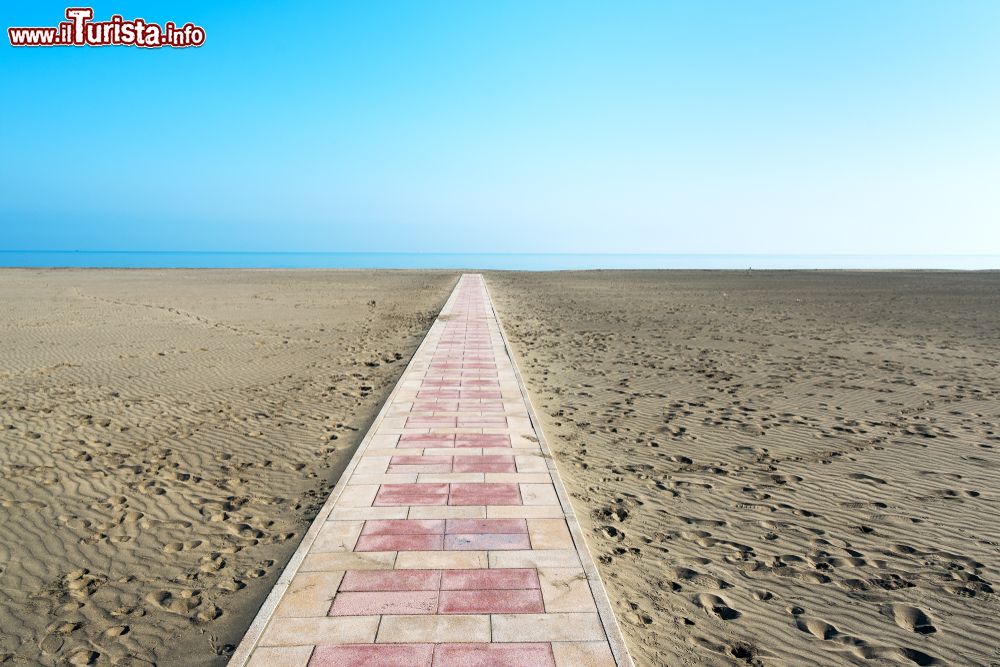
{"x":705,"y":126}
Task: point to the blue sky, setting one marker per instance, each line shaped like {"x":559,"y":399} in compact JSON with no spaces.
{"x":705,"y":127}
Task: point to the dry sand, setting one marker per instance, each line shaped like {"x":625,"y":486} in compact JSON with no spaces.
{"x":165,"y":438}
{"x":772,"y":468}
{"x":778,"y":468}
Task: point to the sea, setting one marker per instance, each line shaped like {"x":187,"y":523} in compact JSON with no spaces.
{"x":483,"y":261}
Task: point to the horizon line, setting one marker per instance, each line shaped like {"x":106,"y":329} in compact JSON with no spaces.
{"x":464,"y":253}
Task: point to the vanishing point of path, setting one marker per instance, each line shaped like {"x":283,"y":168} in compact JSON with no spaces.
{"x":450,"y":540}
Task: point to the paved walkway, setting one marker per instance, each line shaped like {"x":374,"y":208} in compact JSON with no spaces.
{"x":449,"y":539}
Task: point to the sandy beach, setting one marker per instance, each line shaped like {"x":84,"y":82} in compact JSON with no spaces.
{"x":166,"y":438}
{"x":771,"y":468}
{"x":777,"y":468}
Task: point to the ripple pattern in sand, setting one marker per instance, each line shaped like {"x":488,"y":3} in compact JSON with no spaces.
{"x":165,"y":439}
{"x":778,"y":468}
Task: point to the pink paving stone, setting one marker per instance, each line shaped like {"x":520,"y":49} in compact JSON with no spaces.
{"x":414,"y":488}
{"x":463,"y":369}
{"x":460,"y":355}
{"x":439,"y":393}
{"x":411,"y":494}
{"x":376,"y":655}
{"x":485,"y":439}
{"x":471,"y":464}
{"x":484,"y":494}
{"x":401,"y":543}
{"x":488,"y":602}
{"x":426,"y":437}
{"x":484,"y":542}
{"x":494,"y":579}
{"x":468,"y":393}
{"x":463,"y":442}
{"x":391,"y":580}
{"x":477,"y":423}
{"x":493,"y":655}
{"x":454,"y":526}
{"x":388,"y":602}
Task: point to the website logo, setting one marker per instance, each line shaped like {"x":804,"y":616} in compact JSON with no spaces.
{"x":79,"y":29}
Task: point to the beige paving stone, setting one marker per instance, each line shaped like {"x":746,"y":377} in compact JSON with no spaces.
{"x":309,"y":594}
{"x":371,"y":464}
{"x":524,"y":442}
{"x":383,"y":440}
{"x":524,"y":512}
{"x":367,"y":513}
{"x":527,"y":463}
{"x":518,"y":477}
{"x":437,"y":629}
{"x":329,"y":630}
{"x":358,"y":496}
{"x":566,"y":590}
{"x":535,"y":558}
{"x":583,"y":654}
{"x":369,"y":560}
{"x":397,"y":430}
{"x":376,"y":452}
{"x":539,"y":494}
{"x":390,"y":424}
{"x":546,"y":627}
{"x":447,"y":512}
{"x":443,"y":560}
{"x":549,"y":534}
{"x":337,"y":536}
{"x":416,"y":451}
{"x":522,"y":424}
{"x":281,"y":656}
{"x":388,"y":478}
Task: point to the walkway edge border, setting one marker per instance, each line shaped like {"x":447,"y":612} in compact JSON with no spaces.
{"x":611,"y":628}
{"x":246,"y":646}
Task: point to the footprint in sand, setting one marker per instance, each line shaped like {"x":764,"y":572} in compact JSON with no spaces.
{"x":912,"y":619}
{"x":181,"y":602}
{"x":859,"y":647}
{"x":174,"y":547}
{"x":716,"y":606}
